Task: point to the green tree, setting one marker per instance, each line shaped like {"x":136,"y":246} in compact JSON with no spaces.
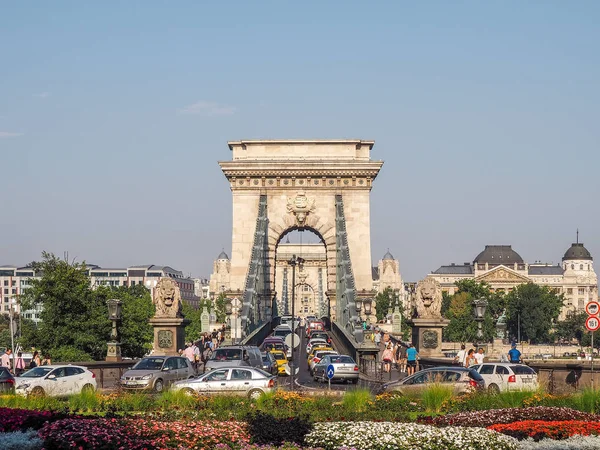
{"x":220,"y":308}
{"x":534,"y":308}
{"x":382,"y":303}
{"x":573,"y":327}
{"x":194,"y":330}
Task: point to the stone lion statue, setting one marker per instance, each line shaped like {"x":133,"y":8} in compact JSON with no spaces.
{"x":167,"y":298}
{"x":428,"y":299}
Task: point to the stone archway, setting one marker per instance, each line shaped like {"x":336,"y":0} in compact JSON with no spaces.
{"x":300,"y":181}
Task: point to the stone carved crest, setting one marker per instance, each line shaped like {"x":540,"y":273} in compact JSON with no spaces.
{"x":428,"y":299}
{"x":300,"y":206}
{"x":165,"y":338}
{"x":167,"y":298}
{"x":430,"y":339}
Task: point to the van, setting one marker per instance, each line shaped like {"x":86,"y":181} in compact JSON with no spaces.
{"x":235,"y":355}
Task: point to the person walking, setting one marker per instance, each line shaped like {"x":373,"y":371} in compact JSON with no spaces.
{"x":401,"y":357}
{"x":461,"y":356}
{"x":470,"y":361}
{"x":480,"y":355}
{"x":514,"y":355}
{"x":411,"y":359}
{"x":377,"y":338}
{"x":47,"y":360}
{"x":387,"y":357}
{"x":5,"y":359}
{"x":19,"y":364}
{"x":35,"y":360}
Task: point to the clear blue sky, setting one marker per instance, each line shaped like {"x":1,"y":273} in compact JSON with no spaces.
{"x":113,"y":116}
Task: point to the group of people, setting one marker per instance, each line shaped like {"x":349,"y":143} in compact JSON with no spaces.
{"x":403,"y":356}
{"x":199,"y":351}
{"x":17,"y":366}
{"x":469,"y":358}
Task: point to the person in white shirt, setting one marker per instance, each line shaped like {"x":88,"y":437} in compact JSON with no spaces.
{"x":5,"y":359}
{"x":479,"y":356}
{"x":461,"y":356}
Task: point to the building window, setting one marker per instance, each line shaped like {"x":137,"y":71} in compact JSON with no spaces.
{"x":14,"y":283}
{"x":569,"y":290}
{"x":580,"y":304}
{"x":5,"y":291}
{"x":14,"y":291}
{"x":581,"y":291}
{"x":580,"y":266}
{"x":572,"y":266}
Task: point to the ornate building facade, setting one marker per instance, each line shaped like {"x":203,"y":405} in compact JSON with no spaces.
{"x":504,"y":269}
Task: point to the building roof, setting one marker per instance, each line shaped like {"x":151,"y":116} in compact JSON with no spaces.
{"x":453,"y":269}
{"x":577,"y":251}
{"x":223,"y":255}
{"x":498,"y":254}
{"x":388,"y":256}
{"x":545,"y":270}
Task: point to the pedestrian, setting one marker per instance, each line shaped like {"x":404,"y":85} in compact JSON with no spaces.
{"x":377,"y":337}
{"x":5,"y":360}
{"x":480,"y":355}
{"x":47,"y":360}
{"x":461,"y":356}
{"x":19,"y":364}
{"x":411,"y":359}
{"x":514,"y":355}
{"x":35,"y":360}
{"x":401,"y":357}
{"x":470,"y":361}
{"x":189,"y":352}
{"x":387,"y":357}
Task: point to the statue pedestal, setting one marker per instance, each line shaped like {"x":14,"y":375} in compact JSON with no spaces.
{"x":113,"y":352}
{"x":169,"y":335}
{"x":427,"y":336}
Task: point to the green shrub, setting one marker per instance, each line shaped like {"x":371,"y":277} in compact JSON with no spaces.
{"x":356,"y":400}
{"x":435,"y":396}
{"x":69,"y":354}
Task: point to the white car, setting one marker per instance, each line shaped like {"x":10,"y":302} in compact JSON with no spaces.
{"x":501,"y":377}
{"x":317,"y":358}
{"x":55,"y":381}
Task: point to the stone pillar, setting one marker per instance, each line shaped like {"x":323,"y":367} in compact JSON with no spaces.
{"x":169,"y":335}
{"x":427,"y":336}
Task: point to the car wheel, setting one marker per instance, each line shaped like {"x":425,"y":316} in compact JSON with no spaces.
{"x":493,"y":389}
{"x":87,"y":388}
{"x":254,"y":394}
{"x":188,"y":391}
{"x":158,"y":386}
{"x":38,"y":391}
{"x":354,"y":380}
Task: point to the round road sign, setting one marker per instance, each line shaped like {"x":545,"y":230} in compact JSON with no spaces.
{"x":592,"y":308}
{"x":330,"y":371}
{"x":288,"y":340}
{"x":592,"y":323}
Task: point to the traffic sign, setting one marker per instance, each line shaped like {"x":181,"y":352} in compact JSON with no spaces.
{"x":288,"y":340}
{"x":330,"y":371}
{"x":592,"y":323}
{"x":592,"y":308}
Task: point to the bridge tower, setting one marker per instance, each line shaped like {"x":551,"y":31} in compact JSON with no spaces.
{"x":283,"y":185}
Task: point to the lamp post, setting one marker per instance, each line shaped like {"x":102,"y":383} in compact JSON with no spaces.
{"x":12,"y":331}
{"x":368,"y":303}
{"x":228,"y":312}
{"x":479,"y":307}
{"x":295,"y":261}
{"x":113,"y":352}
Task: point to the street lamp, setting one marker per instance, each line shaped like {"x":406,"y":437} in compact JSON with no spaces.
{"x":295,"y":261}
{"x":367,"y":303}
{"x":479,"y":307}
{"x":113,"y":352}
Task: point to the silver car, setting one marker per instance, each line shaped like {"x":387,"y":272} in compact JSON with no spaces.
{"x":157,"y":372}
{"x":248,"y":381}
{"x":345,"y":368}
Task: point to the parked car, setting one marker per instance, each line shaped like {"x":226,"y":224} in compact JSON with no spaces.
{"x":501,"y":377}
{"x":55,"y":380}
{"x":462,"y":379}
{"x":247,"y":381}
{"x":235,"y":355}
{"x":7,"y":381}
{"x":315,"y":357}
{"x":269,"y":363}
{"x":156,"y":373}
{"x":345,"y":368}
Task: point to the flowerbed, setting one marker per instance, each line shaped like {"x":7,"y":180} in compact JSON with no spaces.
{"x":572,"y":443}
{"x":490,"y":417}
{"x":402,"y":436}
{"x":540,"y":429}
{"x":23,"y":419}
{"x":138,"y":434}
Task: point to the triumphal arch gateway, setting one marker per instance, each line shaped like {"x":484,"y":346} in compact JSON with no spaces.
{"x":318,"y":185}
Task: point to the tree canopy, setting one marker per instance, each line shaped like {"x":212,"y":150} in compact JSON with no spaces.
{"x":74,"y":317}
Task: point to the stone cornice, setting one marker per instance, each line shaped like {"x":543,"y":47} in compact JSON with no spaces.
{"x":358,"y":142}
{"x":293,"y":168}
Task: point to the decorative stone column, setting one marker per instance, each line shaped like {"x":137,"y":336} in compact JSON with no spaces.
{"x":168,"y":321}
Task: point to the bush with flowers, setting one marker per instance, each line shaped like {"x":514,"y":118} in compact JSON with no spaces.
{"x":404,"y":436}
{"x":540,"y":429}
{"x":573,"y":443}
{"x":490,"y":417}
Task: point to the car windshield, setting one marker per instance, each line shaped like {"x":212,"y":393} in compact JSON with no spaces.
{"x":341,"y":359}
{"x":279,"y":355}
{"x":227,"y":354}
{"x":262,"y":373}
{"x":149,"y":364}
{"x":37,"y":372}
